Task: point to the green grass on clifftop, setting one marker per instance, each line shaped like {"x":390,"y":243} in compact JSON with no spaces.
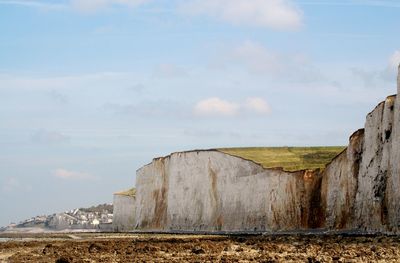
{"x":131,"y":192}
{"x":289,"y":158}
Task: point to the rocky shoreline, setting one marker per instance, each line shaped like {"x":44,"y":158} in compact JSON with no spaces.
{"x":199,"y":248}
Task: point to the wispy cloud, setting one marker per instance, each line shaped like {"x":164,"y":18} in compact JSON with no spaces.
{"x":74,"y":175}
{"x":95,"y":5}
{"x":168,"y":70}
{"x":86,"y":6}
{"x":54,"y":83}
{"x":375,"y":3}
{"x":12,"y":184}
{"x":49,"y":137}
{"x":394,"y":60}
{"x":161,"y":108}
{"x":390,"y":72}
{"x":372,"y":78}
{"x":136,"y":88}
{"x":217,"y":107}
{"x":58,"y":96}
{"x":36,"y":4}
{"x":258,"y":59}
{"x":210,"y":133}
{"x":275,"y":14}
{"x":351,"y":35}
{"x":255,"y":57}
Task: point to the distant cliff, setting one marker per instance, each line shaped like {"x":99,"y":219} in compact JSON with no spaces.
{"x":214,"y":191}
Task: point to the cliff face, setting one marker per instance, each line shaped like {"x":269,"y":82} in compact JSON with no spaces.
{"x":339,"y":184}
{"x":124,"y":212}
{"x":211,"y":190}
{"x":360,"y":187}
{"x":373,"y":195}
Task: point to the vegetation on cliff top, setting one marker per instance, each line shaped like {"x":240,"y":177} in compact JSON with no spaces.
{"x":289,"y":158}
{"x":130,"y":192}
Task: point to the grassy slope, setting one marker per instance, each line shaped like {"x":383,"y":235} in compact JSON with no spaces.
{"x":289,"y":158}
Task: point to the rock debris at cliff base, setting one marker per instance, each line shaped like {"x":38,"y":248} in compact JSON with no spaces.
{"x":184,"y":248}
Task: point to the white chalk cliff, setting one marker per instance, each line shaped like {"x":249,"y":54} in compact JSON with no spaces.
{"x":213,"y":191}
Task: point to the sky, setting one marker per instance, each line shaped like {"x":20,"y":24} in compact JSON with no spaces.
{"x":91,"y":90}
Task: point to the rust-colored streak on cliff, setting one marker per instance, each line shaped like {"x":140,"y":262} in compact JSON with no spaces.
{"x":217,"y":218}
{"x":160,"y":198}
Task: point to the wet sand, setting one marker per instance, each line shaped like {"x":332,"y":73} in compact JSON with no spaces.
{"x":98,"y":247}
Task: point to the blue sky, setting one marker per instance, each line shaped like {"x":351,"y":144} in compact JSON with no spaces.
{"x":91,"y":90}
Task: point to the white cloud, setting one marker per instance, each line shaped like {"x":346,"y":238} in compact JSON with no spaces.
{"x":216,"y":107}
{"x":394,"y":60}
{"x":94,"y":5}
{"x":65,"y":174}
{"x":257,"y":105}
{"x":276,"y":14}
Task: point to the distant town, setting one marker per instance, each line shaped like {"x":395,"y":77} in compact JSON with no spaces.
{"x":95,"y":218}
